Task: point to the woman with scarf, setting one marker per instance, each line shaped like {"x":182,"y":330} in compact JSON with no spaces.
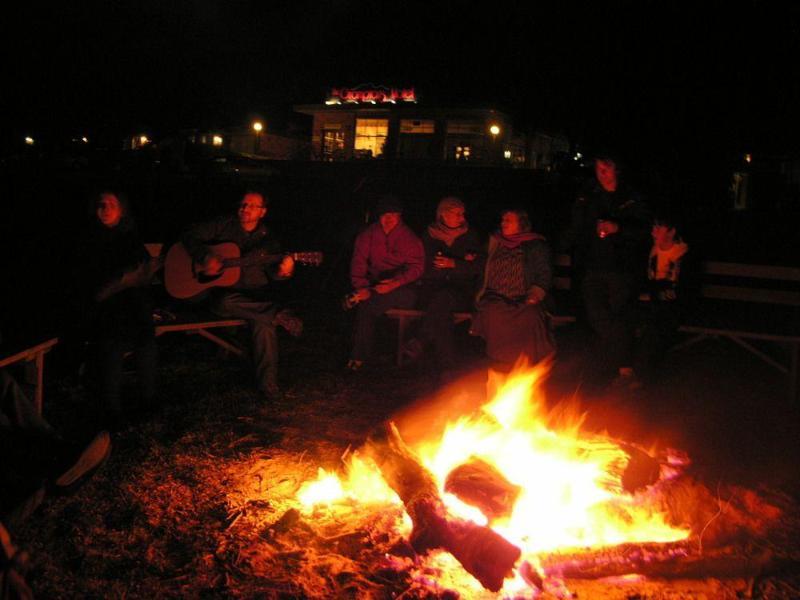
{"x":453,"y":263}
{"x":512,"y":305}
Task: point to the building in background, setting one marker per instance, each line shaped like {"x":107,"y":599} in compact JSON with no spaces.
{"x":375,"y":122}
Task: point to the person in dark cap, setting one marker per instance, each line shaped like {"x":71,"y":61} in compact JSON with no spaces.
{"x":387,"y":257}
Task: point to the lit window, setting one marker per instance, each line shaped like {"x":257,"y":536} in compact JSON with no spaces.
{"x":507,"y":154}
{"x":462,"y":152}
{"x":416,"y":126}
{"x":371,"y":136}
{"x":217,"y":140}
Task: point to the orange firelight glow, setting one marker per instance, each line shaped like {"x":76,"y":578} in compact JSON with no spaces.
{"x":571,"y":491}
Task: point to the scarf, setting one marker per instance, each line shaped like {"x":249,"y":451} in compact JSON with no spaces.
{"x":448,"y":235}
{"x":516,"y":239}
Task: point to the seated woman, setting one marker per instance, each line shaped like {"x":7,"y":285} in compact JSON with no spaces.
{"x":117,"y":271}
{"x":453,"y":264}
{"x":512,"y":304}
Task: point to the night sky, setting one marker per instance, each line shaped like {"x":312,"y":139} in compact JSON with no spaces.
{"x":666,"y":80}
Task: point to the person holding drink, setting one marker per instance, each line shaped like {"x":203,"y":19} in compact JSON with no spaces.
{"x":607,"y":238}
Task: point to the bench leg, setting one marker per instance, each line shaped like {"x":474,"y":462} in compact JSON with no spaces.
{"x":221,"y":342}
{"x":794,"y":372}
{"x":756,"y":352}
{"x":691,"y":341}
{"x":402,"y":325}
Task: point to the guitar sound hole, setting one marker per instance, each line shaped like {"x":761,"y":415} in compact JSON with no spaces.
{"x":203,"y":278}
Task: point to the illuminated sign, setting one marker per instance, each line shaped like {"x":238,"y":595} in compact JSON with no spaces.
{"x":370,"y":95}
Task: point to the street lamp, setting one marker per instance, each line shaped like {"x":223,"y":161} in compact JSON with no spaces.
{"x":494,"y":129}
{"x":257,"y":127}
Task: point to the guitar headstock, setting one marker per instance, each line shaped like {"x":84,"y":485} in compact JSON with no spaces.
{"x":313,"y":259}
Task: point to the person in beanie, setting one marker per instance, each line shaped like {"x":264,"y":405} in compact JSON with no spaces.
{"x":387,"y":257}
{"x":454,"y":259}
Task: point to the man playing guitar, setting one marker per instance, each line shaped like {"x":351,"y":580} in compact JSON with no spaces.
{"x":251,"y":298}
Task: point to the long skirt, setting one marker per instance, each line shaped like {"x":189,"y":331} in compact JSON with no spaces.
{"x":512,"y":330}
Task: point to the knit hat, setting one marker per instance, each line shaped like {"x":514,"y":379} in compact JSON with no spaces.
{"x":388,"y":203}
{"x":448,"y":203}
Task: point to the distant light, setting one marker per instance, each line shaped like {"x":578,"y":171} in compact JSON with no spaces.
{"x":29,"y":140}
{"x":748,"y":158}
{"x":258,"y":126}
{"x":494,"y":129}
{"x":143,"y":139}
{"x":507,"y":154}
{"x":216,"y":140}
{"x":578,"y":156}
{"x":85,"y":140}
{"x":332,"y":101}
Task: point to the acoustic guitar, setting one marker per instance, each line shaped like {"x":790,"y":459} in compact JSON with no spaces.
{"x":184,"y":278}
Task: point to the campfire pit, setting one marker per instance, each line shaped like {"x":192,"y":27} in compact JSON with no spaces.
{"x":503,"y":505}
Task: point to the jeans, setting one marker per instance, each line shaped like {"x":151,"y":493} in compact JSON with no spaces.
{"x":260,"y":315}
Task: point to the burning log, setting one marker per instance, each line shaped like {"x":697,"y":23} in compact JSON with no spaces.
{"x":642,"y":469}
{"x":677,"y":560}
{"x":483,"y":553}
{"x":481,"y":485}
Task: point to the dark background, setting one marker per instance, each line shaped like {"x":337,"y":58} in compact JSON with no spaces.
{"x":681,"y":91}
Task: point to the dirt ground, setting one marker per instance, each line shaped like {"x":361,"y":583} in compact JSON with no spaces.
{"x":197,"y":494}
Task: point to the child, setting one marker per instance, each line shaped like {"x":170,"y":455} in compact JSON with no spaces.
{"x":660,"y":304}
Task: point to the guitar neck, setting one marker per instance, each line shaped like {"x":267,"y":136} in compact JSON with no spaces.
{"x":262,"y":258}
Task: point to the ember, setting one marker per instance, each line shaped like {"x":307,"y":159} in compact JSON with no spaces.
{"x":516,"y":495}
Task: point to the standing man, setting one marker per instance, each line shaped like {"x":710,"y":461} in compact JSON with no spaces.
{"x":253,"y":296}
{"x":386,"y":258}
{"x":607,"y":233}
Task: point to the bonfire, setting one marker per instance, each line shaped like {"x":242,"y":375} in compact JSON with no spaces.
{"x":514,"y":500}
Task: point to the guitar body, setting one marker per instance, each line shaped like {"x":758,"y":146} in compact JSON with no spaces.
{"x":183,"y":281}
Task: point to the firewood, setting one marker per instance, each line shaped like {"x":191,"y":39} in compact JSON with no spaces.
{"x":479,"y":484}
{"x":677,"y":560}
{"x":484,"y":554}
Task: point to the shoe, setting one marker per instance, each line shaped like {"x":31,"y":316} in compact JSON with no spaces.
{"x":88,"y":461}
{"x":290,"y":322}
{"x":354,"y":365}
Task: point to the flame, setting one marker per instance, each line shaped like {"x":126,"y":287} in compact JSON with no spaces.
{"x":571,"y":483}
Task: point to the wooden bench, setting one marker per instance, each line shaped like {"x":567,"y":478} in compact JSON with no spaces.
{"x":192,"y":321}
{"x":33,"y":358}
{"x":739,"y":302}
{"x":562,"y":282}
{"x":203,"y":327}
{"x":750,"y":303}
{"x":405,"y":316}
{"x":746,"y":304}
